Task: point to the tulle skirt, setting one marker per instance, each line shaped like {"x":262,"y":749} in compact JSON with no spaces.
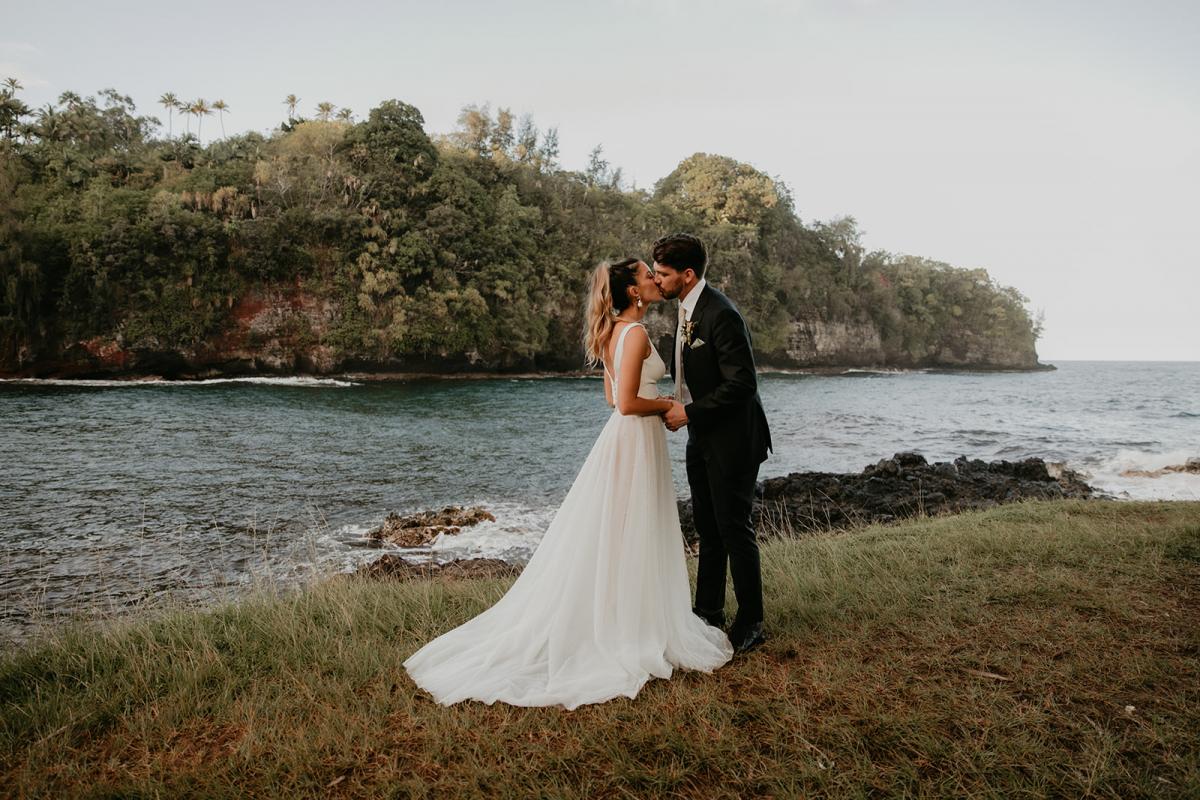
{"x":603,"y":604}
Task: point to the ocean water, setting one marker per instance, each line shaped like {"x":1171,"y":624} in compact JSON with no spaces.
{"x":115,"y":493}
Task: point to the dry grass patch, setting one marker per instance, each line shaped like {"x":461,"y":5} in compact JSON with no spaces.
{"x":1032,"y":650}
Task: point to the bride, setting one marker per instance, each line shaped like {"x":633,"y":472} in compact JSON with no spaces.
{"x":603,"y":604}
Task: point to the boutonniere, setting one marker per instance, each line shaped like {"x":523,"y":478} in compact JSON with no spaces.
{"x":689,"y":330}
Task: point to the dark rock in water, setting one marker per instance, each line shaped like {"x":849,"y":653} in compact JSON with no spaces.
{"x":905,"y":485}
{"x":395,"y":567}
{"x":416,"y":530}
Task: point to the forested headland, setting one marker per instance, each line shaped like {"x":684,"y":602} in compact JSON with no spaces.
{"x":129,"y":247}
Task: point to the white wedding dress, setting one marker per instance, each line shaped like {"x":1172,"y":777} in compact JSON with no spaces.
{"x":603,"y":604}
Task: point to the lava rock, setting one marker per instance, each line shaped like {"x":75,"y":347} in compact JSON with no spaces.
{"x":905,"y":485}
{"x":421,"y":528}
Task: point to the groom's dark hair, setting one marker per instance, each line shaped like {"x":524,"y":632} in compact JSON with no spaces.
{"x":681,"y":251}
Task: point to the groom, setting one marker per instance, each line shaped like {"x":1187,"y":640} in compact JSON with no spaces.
{"x":716,"y":397}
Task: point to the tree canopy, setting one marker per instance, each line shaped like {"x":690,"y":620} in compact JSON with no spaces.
{"x":471,"y":247}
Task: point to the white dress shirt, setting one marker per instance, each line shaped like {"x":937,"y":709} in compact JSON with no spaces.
{"x":687,"y":305}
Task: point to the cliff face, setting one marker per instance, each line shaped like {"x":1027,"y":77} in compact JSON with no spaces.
{"x":819,"y":343}
{"x":277,"y":331}
{"x":287,"y":330}
{"x":280,"y":331}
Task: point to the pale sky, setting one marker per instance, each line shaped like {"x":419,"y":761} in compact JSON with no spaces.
{"x":1056,"y":144}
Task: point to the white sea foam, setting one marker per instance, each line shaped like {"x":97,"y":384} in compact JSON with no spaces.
{"x":291,"y":380}
{"x":513,"y":536}
{"x":344,"y":549}
{"x":880,"y":371}
{"x":1108,"y":475}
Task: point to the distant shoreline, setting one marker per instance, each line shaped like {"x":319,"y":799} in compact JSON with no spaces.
{"x":386,"y":376}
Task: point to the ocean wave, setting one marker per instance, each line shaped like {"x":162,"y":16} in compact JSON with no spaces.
{"x":880,"y":371}
{"x":1186,"y":415}
{"x":293,"y":380}
{"x":1116,"y":475}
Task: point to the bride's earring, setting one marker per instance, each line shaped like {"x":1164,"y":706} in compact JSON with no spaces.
{"x":639,"y":304}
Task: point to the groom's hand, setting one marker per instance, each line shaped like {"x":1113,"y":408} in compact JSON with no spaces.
{"x":676,"y":418}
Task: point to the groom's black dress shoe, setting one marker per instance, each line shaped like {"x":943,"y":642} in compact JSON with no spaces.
{"x":746,"y":638}
{"x":717,"y":620}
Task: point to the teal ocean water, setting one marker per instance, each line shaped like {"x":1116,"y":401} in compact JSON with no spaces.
{"x":114,"y":493}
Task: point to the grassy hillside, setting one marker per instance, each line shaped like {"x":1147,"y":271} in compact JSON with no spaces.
{"x":1038,"y":649}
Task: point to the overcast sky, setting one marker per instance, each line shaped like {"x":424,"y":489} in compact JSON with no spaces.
{"x":1056,"y":144}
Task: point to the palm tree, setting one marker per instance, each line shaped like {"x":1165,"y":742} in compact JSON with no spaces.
{"x":291,"y":101}
{"x":220,"y":106}
{"x":49,"y":123}
{"x":70,"y":99}
{"x":11,"y":111}
{"x":346,"y":115}
{"x":202,"y":110}
{"x":170,"y":102}
{"x":185,"y":108}
{"x":324,"y":111}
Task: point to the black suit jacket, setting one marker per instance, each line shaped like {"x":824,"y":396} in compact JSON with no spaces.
{"x":725,"y":418}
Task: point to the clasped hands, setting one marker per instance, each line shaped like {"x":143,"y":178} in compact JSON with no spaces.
{"x":675,"y":417}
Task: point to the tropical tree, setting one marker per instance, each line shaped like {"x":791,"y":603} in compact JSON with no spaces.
{"x":502,"y":135}
{"x":719,"y":190}
{"x":291,"y":101}
{"x":527,"y":139}
{"x":324,"y":111}
{"x":548,"y":153}
{"x":474,"y":132}
{"x":11,"y":109}
{"x":186,"y":109}
{"x":220,"y":106}
{"x":201,"y":109}
{"x":170,"y":102}
{"x":345,"y":115}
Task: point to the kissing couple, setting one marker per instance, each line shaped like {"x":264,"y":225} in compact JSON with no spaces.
{"x":603,"y":604}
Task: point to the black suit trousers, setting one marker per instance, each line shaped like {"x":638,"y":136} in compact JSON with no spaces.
{"x":721,"y":505}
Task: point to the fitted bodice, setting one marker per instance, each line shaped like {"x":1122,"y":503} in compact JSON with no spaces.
{"x":653,"y":367}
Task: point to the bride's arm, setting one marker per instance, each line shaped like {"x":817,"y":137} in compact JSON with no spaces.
{"x":629,"y":379}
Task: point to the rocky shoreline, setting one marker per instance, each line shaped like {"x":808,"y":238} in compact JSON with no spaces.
{"x":901,"y":487}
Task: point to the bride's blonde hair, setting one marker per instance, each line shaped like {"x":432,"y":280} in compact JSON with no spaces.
{"x":606,"y":298}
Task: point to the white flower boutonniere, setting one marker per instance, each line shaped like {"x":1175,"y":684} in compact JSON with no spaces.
{"x":689,"y":330}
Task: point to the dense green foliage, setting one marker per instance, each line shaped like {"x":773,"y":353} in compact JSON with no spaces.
{"x":467,"y":248}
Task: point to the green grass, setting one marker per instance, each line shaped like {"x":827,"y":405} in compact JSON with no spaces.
{"x":1031,"y":650}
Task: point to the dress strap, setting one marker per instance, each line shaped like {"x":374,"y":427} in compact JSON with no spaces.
{"x":617,"y":354}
